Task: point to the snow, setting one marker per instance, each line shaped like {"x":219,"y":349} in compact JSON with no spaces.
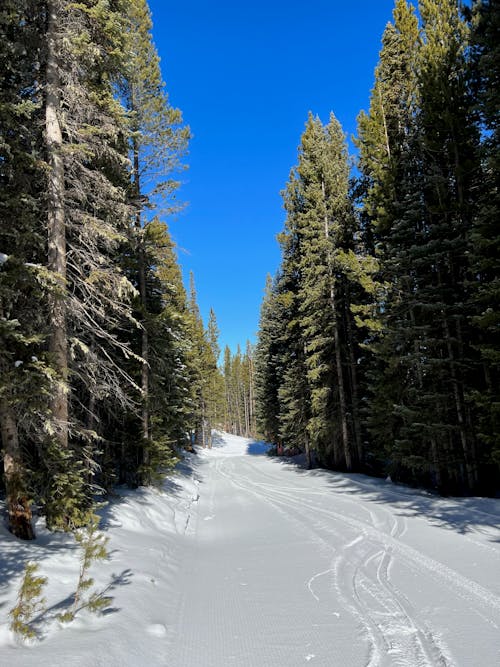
{"x":246,"y":560}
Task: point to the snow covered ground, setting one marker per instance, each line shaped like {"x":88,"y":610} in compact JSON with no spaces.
{"x":250,"y":561}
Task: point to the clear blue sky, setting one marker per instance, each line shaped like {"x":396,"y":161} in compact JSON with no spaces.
{"x":245,"y":75}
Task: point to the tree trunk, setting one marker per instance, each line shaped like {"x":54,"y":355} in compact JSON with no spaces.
{"x":141,"y":269}
{"x":356,"y":418}
{"x":18,"y":506}
{"x":338,"y":355}
{"x":308,"y":453}
{"x":340,"y":380}
{"x":238,"y":410}
{"x":470,"y":464}
{"x":247,"y":413}
{"x":58,"y":345}
{"x":251,"y":396}
{"x":436,"y":462}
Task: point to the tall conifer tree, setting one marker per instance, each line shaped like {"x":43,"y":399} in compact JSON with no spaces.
{"x":23,"y":368}
{"x":87,"y":217}
{"x":157,"y":143}
{"x":486,"y":237}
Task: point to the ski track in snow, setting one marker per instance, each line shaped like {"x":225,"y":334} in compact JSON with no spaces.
{"x":371,"y":598}
{"x":253,"y":562}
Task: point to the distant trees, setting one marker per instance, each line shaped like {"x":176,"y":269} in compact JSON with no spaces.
{"x":378,"y":335}
{"x":207,"y":384}
{"x":238,"y":372}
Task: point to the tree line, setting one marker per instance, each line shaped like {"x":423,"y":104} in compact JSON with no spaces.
{"x":106,"y":368}
{"x":378,"y":346}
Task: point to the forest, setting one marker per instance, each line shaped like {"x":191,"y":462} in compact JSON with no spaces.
{"x":377,"y":349}
{"x":379,"y":341}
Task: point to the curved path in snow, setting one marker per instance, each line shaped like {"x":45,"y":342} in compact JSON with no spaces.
{"x":286,"y":567}
{"x":248,"y":561}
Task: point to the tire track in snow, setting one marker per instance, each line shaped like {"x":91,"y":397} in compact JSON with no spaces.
{"x":468,"y":535}
{"x":432,"y":652}
{"x":352,"y":602}
{"x":313,"y":578}
{"x":452,"y":577}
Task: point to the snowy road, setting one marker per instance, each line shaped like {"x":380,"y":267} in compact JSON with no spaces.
{"x":290,"y":567}
{"x":252,"y":562}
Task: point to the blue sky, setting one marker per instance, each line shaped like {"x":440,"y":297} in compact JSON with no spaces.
{"x":245,"y":76}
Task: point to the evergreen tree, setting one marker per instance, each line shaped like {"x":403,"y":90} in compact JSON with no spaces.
{"x":87,"y":218}
{"x":239,"y":391}
{"x":294,"y":394}
{"x":206,"y":377}
{"x":157,"y":143}
{"x":24,"y":371}
{"x":390,"y":164}
{"x":293,"y":390}
{"x":449,"y":140}
{"x":267,"y":367}
{"x":486,"y":238}
{"x":168,"y":402}
{"x":327,"y":275}
{"x":216,"y":381}
{"x":82,"y":94}
{"x":420,"y":205}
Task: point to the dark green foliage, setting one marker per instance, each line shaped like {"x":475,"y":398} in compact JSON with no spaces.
{"x":426,"y":380}
{"x":238,"y":377}
{"x":206,"y":385}
{"x":486,"y":234}
{"x":110,"y":105}
{"x":268,"y":361}
{"x":64,"y":488}
{"x":379,"y":341}
{"x":308,"y":384}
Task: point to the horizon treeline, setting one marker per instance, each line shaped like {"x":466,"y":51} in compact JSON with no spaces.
{"x":106,"y":368}
{"x":378,"y":348}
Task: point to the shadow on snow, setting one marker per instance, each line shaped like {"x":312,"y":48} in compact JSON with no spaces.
{"x":462,"y":515}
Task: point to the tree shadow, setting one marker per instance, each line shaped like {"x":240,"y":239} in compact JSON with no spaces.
{"x":217,"y":440}
{"x":462,"y":515}
{"x":15,"y":553}
{"x":52,"y":613}
{"x":186,"y":469}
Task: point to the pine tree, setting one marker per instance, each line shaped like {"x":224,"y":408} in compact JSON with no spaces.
{"x":168,"y":401}
{"x":420,"y":205}
{"x":93,"y":548}
{"x":294,"y":394}
{"x":24,"y":372}
{"x":157,"y":143}
{"x":69,"y":353}
{"x":87,"y":217}
{"x":268,"y":353}
{"x":386,"y":133}
{"x":249,"y":385}
{"x":389,"y":160}
{"x":216,"y":380}
{"x":293,"y":390}
{"x":485,"y":298}
{"x":239,"y":391}
{"x":328,"y":274}
{"x":29,"y":602}
{"x":449,"y":140}
{"x":206,"y":377}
